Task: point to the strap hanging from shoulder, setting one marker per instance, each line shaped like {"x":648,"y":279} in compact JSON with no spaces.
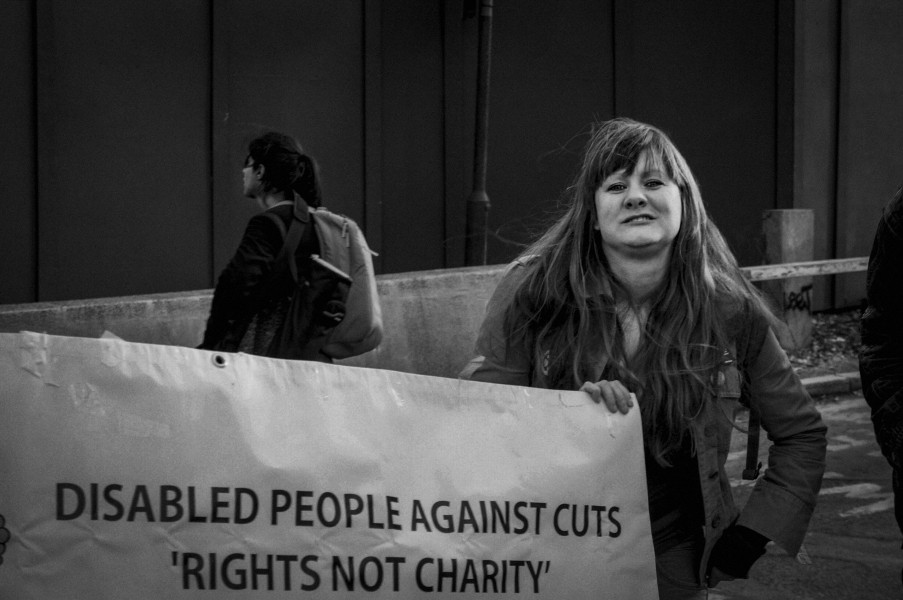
{"x":754,"y":337}
{"x":298,"y":232}
{"x":753,"y":464}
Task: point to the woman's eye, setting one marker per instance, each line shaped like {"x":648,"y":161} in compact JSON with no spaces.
{"x":654,"y":183}
{"x":615,"y":187}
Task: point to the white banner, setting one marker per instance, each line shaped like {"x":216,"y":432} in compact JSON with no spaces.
{"x":140,"y":471}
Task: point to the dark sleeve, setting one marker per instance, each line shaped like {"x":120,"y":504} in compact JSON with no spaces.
{"x":881,"y":353}
{"x":737,"y":550}
{"x":783,"y":499}
{"x":496,"y":360}
{"x":235,"y":296}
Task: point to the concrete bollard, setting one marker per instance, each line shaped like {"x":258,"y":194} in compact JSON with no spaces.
{"x":790,"y":237}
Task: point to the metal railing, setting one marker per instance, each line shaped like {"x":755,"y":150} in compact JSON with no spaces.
{"x":806,"y":269}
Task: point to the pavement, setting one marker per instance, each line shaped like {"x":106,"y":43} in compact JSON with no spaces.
{"x":853,"y":545}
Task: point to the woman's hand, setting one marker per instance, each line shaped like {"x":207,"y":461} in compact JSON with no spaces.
{"x":613,"y":393}
{"x":734,"y":553}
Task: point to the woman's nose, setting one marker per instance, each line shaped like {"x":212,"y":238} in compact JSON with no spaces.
{"x":636,"y":200}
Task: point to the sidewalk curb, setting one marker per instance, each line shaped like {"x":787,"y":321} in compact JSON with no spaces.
{"x":839,"y":383}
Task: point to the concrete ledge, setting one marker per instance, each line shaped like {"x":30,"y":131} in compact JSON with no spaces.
{"x":175,"y":319}
{"x":431,"y":321}
{"x":431,"y":318}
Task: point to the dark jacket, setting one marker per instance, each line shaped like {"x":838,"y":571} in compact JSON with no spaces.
{"x":242,"y":286}
{"x":881,"y":354}
{"x":783,"y":499}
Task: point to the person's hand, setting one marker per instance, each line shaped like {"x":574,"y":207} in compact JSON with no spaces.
{"x":734,"y":553}
{"x":612,"y":393}
{"x":716,"y":576}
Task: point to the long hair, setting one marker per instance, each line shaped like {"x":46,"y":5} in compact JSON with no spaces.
{"x":287,"y":168}
{"x":565,"y":309}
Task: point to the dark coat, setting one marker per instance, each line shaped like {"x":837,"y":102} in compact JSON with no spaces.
{"x":881,"y":355}
{"x":241,"y":287}
{"x":783,"y":499}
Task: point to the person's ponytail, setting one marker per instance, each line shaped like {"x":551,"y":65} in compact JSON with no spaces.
{"x":307,"y":181}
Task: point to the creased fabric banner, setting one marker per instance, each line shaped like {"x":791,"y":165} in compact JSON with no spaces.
{"x":141,"y":471}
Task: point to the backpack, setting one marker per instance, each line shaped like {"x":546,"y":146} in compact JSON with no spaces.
{"x":343,"y":246}
{"x":334,"y":306}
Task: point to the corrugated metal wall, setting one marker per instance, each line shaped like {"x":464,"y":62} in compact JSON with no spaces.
{"x":127,"y":123}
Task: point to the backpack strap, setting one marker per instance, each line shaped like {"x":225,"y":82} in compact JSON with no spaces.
{"x":751,"y":339}
{"x":753,"y":464}
{"x":298,"y":232}
{"x":277,"y":221}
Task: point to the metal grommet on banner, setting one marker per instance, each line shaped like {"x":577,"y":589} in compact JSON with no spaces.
{"x":220,"y":360}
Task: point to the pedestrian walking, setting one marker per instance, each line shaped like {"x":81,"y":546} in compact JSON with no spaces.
{"x":251,"y":299}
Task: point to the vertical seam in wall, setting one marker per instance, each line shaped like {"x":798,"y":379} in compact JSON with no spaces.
{"x":785,"y":78}
{"x":837,"y":114}
{"x":371,"y":123}
{"x":35,"y":212}
{"x":614,"y":57}
{"x":778,"y":48}
{"x":454,"y":16}
{"x":443,"y":41}
{"x":211,"y":132}
{"x":364,"y":108}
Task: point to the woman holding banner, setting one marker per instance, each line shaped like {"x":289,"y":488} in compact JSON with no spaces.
{"x":633,"y":293}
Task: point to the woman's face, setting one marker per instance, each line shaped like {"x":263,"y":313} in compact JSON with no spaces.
{"x":251,"y":182}
{"x":638,"y":213}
